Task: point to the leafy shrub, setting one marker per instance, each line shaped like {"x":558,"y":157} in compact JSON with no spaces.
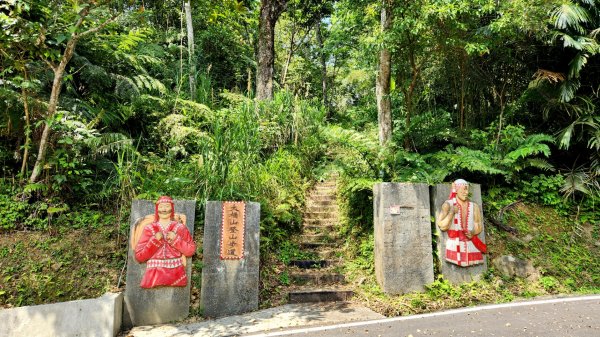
{"x":543,"y":189}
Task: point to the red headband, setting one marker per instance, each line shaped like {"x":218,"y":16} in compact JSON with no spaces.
{"x":162,"y":200}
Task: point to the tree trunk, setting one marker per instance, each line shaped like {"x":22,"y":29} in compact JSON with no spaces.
{"x":190,"y":41}
{"x":384,"y":105}
{"x":27,"y":127}
{"x":323,"y":69}
{"x":52,"y":105}
{"x":249,"y":82}
{"x":270,"y":10}
{"x":59,"y":72}
{"x":289,"y":57}
{"x":408,"y":96}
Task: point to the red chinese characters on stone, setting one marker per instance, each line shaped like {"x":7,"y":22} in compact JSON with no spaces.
{"x":164,"y":245}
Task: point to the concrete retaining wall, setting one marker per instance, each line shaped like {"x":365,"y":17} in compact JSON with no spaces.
{"x":100,"y":317}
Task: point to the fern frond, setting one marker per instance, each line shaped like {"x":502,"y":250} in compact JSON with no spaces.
{"x":471,"y":160}
{"x":109,"y":143}
{"x":351,"y":138}
{"x":539,"y":163}
{"x":35,"y":187}
{"x":125,"y":87}
{"x":195,"y":110}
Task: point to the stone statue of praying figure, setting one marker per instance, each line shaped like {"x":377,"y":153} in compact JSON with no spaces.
{"x":461,"y":220}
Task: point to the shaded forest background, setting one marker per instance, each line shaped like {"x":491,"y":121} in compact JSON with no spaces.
{"x":105,"y":101}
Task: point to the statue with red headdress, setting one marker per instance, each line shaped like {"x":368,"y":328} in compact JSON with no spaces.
{"x":163,"y":242}
{"x":461,"y":219}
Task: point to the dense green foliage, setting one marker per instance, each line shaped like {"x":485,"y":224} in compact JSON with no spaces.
{"x":503,"y":93}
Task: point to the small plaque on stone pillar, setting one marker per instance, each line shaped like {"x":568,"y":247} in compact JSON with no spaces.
{"x":231,"y":258}
{"x":159,"y":263}
{"x":459,"y":226}
{"x":232,"y":230}
{"x":403,"y":253}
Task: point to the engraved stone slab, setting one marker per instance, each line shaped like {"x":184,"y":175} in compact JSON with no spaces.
{"x":230,"y":286}
{"x":156,"y":305}
{"x":403,"y":252}
{"x":453,"y":273}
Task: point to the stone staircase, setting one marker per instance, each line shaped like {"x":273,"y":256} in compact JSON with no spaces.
{"x":319,"y":279}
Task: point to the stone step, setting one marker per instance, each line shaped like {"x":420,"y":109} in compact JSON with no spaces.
{"x":322,"y":192}
{"x":319,"y":295}
{"x":315,"y":245}
{"x":319,"y":228}
{"x":311,"y":264}
{"x":319,"y":235}
{"x":320,"y":215}
{"x":321,"y":203}
{"x":329,"y":183}
{"x":320,"y":222}
{"x":329,"y":253}
{"x":319,"y":198}
{"x":330,"y":209}
{"x":317,"y":278}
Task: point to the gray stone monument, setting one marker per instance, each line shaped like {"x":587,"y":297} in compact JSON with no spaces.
{"x":453,"y":273}
{"x":230,"y":285}
{"x":403,"y":245}
{"x":161,"y":304}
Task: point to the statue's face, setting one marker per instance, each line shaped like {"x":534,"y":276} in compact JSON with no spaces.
{"x":462,"y":192}
{"x":164,"y":210}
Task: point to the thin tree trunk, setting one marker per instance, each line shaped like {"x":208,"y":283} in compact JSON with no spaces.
{"x":59,"y":72}
{"x":462,"y":91}
{"x":323,"y":69}
{"x":249,"y":83}
{"x":384,"y":105}
{"x":27,"y":127}
{"x":289,"y":57}
{"x":416,"y":70}
{"x":52,"y":104}
{"x":190,"y":41}
{"x":270,"y":10}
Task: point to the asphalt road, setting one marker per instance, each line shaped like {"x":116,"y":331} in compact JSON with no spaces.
{"x":561,"y":317}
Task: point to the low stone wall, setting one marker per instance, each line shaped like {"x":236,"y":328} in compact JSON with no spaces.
{"x":100,"y":317}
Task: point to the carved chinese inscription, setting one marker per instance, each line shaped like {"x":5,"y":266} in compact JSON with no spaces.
{"x":232,"y":230}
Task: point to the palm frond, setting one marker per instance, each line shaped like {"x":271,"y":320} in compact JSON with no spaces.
{"x":568,"y":89}
{"x":564,"y":137}
{"x":570,"y":15}
{"x":570,"y":41}
{"x":577,"y":64}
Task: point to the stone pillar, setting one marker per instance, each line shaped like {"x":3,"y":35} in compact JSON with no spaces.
{"x":403,"y":245}
{"x":230,"y":286}
{"x":156,"y":305}
{"x":453,"y":273}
